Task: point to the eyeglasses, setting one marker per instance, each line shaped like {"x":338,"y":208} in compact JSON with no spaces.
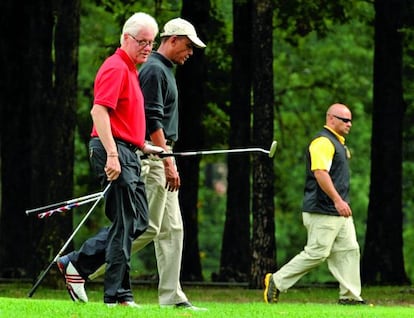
{"x":345,"y":120}
{"x":143,"y":43}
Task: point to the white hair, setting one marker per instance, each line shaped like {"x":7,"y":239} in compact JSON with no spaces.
{"x":137,"y":22}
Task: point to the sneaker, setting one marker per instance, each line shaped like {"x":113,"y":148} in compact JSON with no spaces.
{"x":75,"y":284}
{"x":186,"y":305}
{"x":131,"y":304}
{"x":271,"y":293}
{"x":350,"y":301}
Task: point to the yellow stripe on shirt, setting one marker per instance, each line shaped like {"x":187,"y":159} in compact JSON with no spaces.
{"x":322,"y":151}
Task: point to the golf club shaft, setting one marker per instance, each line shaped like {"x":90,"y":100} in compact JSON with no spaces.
{"x":208,"y":152}
{"x":43,"y":274}
{"x":51,"y":206}
{"x":41,"y":277}
{"x":64,"y":208}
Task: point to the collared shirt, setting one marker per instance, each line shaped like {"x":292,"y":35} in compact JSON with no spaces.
{"x":322,"y":150}
{"x":159,"y":87}
{"x":116,"y":87}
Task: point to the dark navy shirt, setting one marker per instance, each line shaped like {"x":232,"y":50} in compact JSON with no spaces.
{"x":157,"y":80}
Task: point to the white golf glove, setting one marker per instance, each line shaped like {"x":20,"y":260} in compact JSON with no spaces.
{"x":152,"y":151}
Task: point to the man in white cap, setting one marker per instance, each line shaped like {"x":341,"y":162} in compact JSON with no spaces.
{"x":162,"y":181}
{"x":161,"y":178}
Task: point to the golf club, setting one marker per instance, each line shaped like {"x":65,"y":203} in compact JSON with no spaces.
{"x":43,"y":274}
{"x":270,"y":152}
{"x":54,"y":205}
{"x":65,"y":208}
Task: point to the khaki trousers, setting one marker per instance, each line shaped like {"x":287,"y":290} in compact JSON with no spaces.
{"x":330,"y":238}
{"x":165,"y":229}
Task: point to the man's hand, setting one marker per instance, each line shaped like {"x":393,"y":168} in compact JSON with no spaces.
{"x":152,"y":151}
{"x":325,"y":182}
{"x":172,"y":177}
{"x":343,"y":208}
{"x":112,"y":168}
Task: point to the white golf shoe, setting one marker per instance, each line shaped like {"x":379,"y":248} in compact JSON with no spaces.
{"x":75,"y":284}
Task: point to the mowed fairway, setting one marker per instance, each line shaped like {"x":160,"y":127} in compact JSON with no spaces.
{"x":220,"y":301}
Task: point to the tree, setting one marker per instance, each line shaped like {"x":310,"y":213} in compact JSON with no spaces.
{"x":383,"y":261}
{"x":37,"y":128}
{"x":263,"y":239}
{"x":192,"y":103}
{"x":235,"y":253}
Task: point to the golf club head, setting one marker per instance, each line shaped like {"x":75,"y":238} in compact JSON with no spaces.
{"x":272,"y":150}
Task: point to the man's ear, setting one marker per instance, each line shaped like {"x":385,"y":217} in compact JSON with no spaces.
{"x":173,"y":39}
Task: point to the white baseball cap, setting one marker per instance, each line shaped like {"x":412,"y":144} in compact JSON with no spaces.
{"x":180,"y":26}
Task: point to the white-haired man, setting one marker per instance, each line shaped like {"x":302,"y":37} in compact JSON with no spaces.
{"x":118,"y":131}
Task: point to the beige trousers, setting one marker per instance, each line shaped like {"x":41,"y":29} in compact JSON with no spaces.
{"x":330,"y":238}
{"x":166,"y":230}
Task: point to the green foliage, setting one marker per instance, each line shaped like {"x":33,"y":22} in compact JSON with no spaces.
{"x":408,"y":222}
{"x":408,"y":151}
{"x":218,"y":56}
{"x":320,"y":15}
{"x":211,"y":216}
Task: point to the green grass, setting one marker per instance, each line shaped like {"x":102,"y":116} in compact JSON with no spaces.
{"x":221,"y":302}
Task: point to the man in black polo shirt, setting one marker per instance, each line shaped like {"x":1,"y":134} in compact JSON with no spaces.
{"x":162,"y":181}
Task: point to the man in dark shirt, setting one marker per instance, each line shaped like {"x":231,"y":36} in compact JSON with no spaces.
{"x":326,"y":214}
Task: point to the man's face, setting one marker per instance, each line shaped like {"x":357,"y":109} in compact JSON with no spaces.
{"x":341,"y":121}
{"x":139,"y":46}
{"x":183,"y":49}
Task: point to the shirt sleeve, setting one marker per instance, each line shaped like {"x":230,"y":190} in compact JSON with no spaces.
{"x":321,"y":153}
{"x":108,"y":87}
{"x":152,"y":87}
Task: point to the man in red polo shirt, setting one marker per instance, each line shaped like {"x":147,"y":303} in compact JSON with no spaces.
{"x":118,"y":131}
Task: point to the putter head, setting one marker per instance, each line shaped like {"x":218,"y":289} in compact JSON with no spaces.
{"x":272,"y":150}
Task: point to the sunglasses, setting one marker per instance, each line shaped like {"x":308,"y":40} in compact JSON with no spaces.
{"x":345,"y":120}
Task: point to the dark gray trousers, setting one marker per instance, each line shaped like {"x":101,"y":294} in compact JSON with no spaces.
{"x":127,"y":208}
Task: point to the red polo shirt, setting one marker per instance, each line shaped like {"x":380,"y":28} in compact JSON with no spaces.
{"x":116,"y":87}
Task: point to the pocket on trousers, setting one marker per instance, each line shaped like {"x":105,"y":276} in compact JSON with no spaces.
{"x":130,"y":166}
{"x":97,"y":158}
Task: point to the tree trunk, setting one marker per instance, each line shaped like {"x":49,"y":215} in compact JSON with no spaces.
{"x":263,"y":240}
{"x":383,"y":261}
{"x":235,"y":253}
{"x":38,"y":120}
{"x":190,"y":81}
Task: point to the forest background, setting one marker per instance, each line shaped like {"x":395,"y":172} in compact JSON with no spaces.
{"x":321,"y":53}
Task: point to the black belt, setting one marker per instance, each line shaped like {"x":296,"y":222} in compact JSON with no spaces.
{"x":170,"y":142}
{"x":130,"y":146}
